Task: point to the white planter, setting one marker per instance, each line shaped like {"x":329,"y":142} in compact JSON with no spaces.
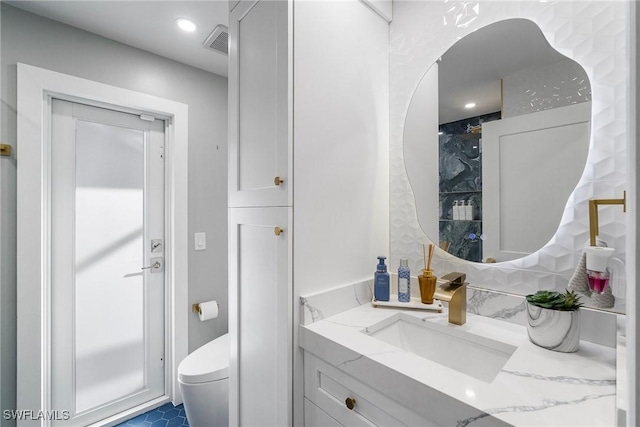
{"x":554,"y":329}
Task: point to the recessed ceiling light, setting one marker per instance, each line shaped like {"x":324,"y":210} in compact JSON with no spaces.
{"x":470,"y":105}
{"x":186,"y":25}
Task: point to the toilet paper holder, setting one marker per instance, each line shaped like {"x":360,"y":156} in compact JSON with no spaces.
{"x":196,"y":308}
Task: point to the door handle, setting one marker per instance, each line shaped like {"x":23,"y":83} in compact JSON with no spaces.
{"x":156,"y":265}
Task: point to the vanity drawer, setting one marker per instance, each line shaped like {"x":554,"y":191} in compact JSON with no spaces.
{"x":316,"y":417}
{"x":329,"y":388}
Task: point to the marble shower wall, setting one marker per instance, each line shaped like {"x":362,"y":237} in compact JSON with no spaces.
{"x":460,"y":170}
{"x":596,"y":35}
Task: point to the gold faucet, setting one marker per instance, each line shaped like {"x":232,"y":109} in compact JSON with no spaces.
{"x":454,"y":291}
{"x":593,"y":214}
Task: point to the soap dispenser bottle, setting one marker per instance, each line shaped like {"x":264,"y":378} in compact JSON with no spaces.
{"x":381,"y":281}
{"x":468,"y":211}
{"x":404,"y":281}
{"x":456,"y":211}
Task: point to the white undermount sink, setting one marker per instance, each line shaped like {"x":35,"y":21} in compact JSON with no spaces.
{"x":473,"y":355}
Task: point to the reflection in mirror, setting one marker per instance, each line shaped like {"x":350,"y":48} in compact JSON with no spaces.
{"x":513,"y":120}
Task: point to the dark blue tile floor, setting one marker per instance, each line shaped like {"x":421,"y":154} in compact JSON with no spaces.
{"x":166,"y":415}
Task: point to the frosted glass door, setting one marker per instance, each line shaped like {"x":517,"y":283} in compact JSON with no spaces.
{"x":108,"y":312}
{"x":109,"y":230}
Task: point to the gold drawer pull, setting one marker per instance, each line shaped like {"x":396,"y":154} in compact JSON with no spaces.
{"x":277,"y":231}
{"x":277,"y":180}
{"x":351,"y":403}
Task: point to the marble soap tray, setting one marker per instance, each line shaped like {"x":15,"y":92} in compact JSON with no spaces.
{"x":415,"y":304}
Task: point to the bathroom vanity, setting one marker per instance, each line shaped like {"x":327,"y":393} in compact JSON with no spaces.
{"x":384,"y":366}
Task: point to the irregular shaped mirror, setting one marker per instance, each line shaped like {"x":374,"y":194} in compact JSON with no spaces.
{"x":496,"y":139}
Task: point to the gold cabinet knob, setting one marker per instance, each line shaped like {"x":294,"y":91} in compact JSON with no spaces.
{"x":5,"y":150}
{"x":277,"y":180}
{"x":350,"y":402}
{"x":277,"y":231}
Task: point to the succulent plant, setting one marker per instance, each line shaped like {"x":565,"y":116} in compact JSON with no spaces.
{"x":567,"y":301}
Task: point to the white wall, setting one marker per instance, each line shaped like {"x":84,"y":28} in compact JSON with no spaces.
{"x":341,"y":156}
{"x":7,"y":274}
{"x":37,"y":41}
{"x":633,"y":296}
{"x":341,"y":151}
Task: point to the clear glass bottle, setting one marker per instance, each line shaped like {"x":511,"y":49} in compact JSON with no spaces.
{"x":404,"y":281}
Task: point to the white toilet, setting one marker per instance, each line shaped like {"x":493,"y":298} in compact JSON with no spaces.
{"x":204,"y":382}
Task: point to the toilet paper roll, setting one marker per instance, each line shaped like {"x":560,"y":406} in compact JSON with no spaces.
{"x":208,"y":310}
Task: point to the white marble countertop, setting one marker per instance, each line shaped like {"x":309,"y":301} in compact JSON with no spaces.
{"x":536,"y":387}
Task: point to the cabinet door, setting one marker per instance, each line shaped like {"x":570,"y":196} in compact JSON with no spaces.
{"x":260,"y":328}
{"x":522,"y":205}
{"x":260,"y":104}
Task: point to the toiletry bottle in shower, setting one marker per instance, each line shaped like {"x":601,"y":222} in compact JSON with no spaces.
{"x":468,"y":211}
{"x":404,"y":281}
{"x":381,"y":282}
{"x":456,"y":211}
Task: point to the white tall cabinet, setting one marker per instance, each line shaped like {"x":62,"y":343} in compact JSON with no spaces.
{"x":340,"y":169}
{"x":260,"y":214}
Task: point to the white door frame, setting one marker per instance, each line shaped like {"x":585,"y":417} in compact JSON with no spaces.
{"x":36,"y":87}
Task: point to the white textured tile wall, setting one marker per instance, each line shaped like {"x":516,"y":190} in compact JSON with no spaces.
{"x":536,"y":89}
{"x":596,"y":35}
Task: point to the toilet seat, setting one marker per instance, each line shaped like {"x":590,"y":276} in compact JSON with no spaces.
{"x":208,"y":363}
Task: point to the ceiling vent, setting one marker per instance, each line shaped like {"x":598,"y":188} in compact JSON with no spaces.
{"x":218,"y":40}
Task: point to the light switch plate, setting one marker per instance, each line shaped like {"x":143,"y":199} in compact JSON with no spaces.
{"x":200,"y":241}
